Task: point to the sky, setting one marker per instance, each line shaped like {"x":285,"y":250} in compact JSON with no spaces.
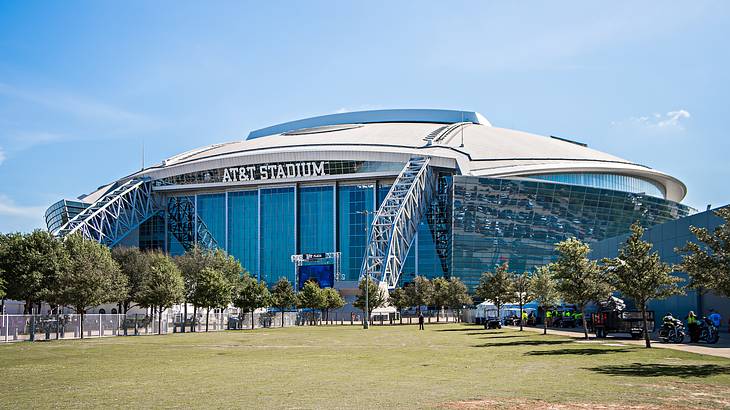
{"x":84,"y":86}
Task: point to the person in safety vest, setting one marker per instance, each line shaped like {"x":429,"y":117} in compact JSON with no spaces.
{"x":549,"y":317}
{"x":693,"y":326}
{"x":524,"y":318}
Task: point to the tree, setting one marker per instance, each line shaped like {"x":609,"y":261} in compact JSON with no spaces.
{"x":399,"y":300}
{"x":90,"y":278}
{"x":544,"y":289}
{"x":226,"y":264}
{"x":419,"y":293}
{"x":32,"y":263}
{"x":496,"y":287}
{"x":458,"y":296}
{"x":639,"y":274}
{"x":708,"y":262}
{"x":332,"y":300}
{"x":440,"y":295}
{"x":251,"y":295}
{"x":135,"y":265}
{"x":191,"y":264}
{"x":162,"y":284}
{"x":579,"y":280}
{"x":283,"y":296}
{"x":523,"y":293}
{"x":213,"y":290}
{"x":311,"y":297}
{"x":376,"y":297}
{"x":2,"y":287}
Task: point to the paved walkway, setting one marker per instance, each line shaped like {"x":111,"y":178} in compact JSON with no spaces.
{"x":720,"y":349}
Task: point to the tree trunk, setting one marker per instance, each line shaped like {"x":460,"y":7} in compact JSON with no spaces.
{"x":185,"y":316}
{"x":282,"y":317}
{"x":81,"y":324}
{"x":207,"y":318}
{"x":585,"y":324}
{"x":544,"y":325}
{"x":521,"y":316}
{"x":646,"y":327}
{"x":195,"y":316}
{"x":252,"y":310}
{"x":159,"y":322}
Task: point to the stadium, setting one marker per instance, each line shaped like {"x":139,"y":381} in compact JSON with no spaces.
{"x":393,"y":193}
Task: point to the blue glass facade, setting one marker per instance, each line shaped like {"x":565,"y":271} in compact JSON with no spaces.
{"x":614,"y":182}
{"x":243,"y":228}
{"x":316,"y":219}
{"x":500,"y":220}
{"x":472,"y":224}
{"x":277,"y":234}
{"x":353,"y":200}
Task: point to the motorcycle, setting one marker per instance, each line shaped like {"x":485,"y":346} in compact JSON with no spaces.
{"x":708,"y":331}
{"x":672,"y":331}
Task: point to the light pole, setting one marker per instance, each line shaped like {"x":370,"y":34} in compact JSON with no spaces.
{"x":366,"y":316}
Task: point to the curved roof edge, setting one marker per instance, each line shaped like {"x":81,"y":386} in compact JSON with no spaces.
{"x":375,"y":116}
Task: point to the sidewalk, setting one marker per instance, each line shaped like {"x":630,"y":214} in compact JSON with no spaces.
{"x":720,"y":349}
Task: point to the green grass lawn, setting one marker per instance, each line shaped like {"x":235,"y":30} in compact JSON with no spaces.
{"x":458,"y":366}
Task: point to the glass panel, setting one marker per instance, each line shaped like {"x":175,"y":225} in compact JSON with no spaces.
{"x":180,"y":224}
{"x":353,"y":226}
{"x":316,"y":219}
{"x":212,"y":218}
{"x":243,"y":225}
{"x":277,"y":234}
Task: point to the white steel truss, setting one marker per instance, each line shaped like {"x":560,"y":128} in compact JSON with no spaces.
{"x":115,"y":214}
{"x":396,"y":222}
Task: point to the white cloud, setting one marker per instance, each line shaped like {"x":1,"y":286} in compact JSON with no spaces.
{"x":671,"y":121}
{"x":14,"y":217}
{"x":2,"y":156}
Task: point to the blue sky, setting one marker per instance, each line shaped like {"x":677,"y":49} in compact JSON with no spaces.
{"x":84,"y":84}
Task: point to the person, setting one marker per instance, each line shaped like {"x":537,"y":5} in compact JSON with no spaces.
{"x":523,"y":320}
{"x":549,"y":317}
{"x":693,"y":326}
{"x":420,"y":321}
{"x":716,"y":318}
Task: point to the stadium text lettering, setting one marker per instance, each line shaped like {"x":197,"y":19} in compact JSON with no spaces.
{"x":276,"y":171}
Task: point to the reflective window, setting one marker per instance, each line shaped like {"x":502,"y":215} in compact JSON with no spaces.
{"x":243,"y":228}
{"x":608,"y":181}
{"x":180,"y":224}
{"x":211,"y":230}
{"x":316,"y":219}
{"x":277,"y":234}
{"x":353,"y":226}
{"x":152,"y":233}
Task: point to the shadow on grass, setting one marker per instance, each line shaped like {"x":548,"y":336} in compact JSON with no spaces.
{"x":486,"y":332}
{"x":501,"y":336}
{"x":466,"y":328}
{"x":657,"y":370}
{"x":525,"y":343}
{"x":582,"y":352}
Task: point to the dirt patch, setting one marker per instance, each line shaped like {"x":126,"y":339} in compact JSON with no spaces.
{"x":524,"y":404}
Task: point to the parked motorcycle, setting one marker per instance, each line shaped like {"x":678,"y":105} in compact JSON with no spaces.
{"x":672,"y":331}
{"x":708,"y":331}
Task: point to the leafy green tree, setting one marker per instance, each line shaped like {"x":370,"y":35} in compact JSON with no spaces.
{"x":332,"y":300}
{"x":579,"y":280}
{"x":32,"y":263}
{"x":496,"y":287}
{"x":311,"y":297}
{"x":90,"y":278}
{"x":458,"y":296}
{"x":440,"y":295}
{"x":2,"y":289}
{"x":135,"y":265}
{"x":251,"y":295}
{"x":523,"y":292}
{"x":213,"y":290}
{"x":283,"y":296}
{"x":191,"y":264}
{"x":419,"y":293}
{"x":161,"y":285}
{"x":226,"y":264}
{"x":376,"y":297}
{"x":544,"y":289}
{"x":708,"y":261}
{"x":399,"y":300}
{"x":639,"y":274}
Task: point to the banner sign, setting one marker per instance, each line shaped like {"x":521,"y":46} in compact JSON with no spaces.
{"x":276,"y":171}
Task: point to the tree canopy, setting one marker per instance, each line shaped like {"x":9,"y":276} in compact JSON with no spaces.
{"x":251,"y":295}
{"x":639,"y":274}
{"x":496,"y":287}
{"x":283,"y":296}
{"x":544,"y":290}
{"x":707,"y":261}
{"x":376,"y":297}
{"x":134,"y":264}
{"x":579,"y":279}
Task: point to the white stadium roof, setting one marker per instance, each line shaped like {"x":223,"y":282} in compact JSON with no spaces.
{"x":462,"y":139}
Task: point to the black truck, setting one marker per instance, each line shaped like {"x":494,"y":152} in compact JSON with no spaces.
{"x":626,"y":321}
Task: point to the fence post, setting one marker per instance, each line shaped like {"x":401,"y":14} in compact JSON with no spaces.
{"x":100,"y":320}
{"x":7,"y":327}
